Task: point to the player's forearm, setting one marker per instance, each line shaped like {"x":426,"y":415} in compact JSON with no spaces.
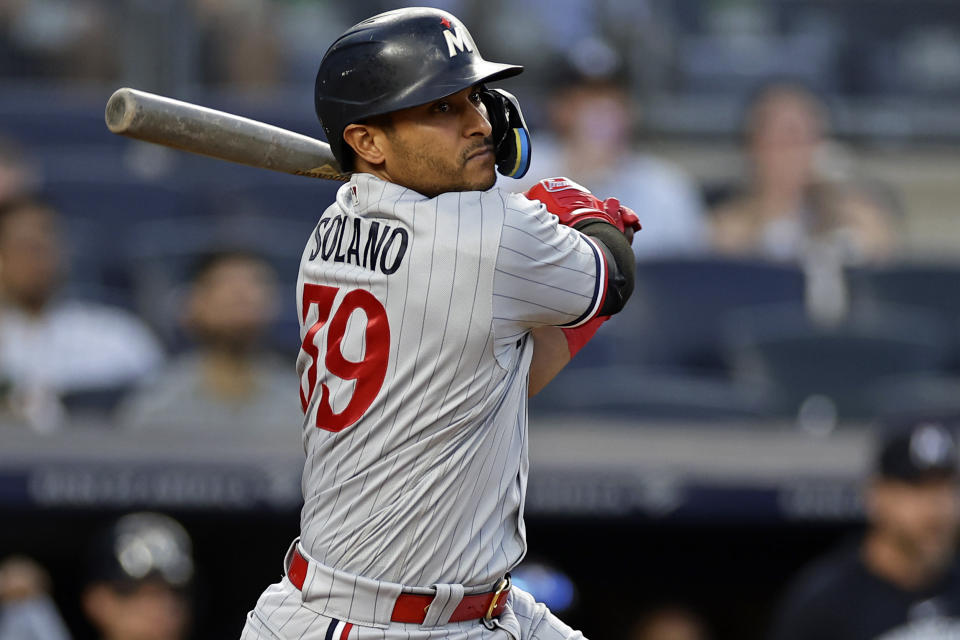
{"x":551,"y":353}
{"x":621,"y":264}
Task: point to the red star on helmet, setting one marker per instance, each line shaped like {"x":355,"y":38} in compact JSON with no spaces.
{"x":445,"y":23}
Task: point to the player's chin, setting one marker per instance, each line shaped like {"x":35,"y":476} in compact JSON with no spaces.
{"x":482,"y":177}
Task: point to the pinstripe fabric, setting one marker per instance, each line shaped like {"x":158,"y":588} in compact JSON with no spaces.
{"x":279,"y":615}
{"x":428,"y":485}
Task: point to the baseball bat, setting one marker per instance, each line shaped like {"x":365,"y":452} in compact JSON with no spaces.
{"x":190,"y":127}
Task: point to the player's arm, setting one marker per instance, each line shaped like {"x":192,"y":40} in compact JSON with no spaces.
{"x":550,"y":275}
{"x":611,"y":228}
{"x":607,"y":223}
{"x":551,"y":353}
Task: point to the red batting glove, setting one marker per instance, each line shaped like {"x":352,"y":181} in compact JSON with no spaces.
{"x":628,"y":219}
{"x":574,"y":204}
{"x":570,"y":202}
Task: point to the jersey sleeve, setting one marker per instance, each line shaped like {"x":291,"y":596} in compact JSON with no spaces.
{"x":546,"y":273}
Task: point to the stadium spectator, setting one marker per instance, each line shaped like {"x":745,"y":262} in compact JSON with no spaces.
{"x":670,"y":622}
{"x":230,"y":381}
{"x":902,"y":579}
{"x":794,"y":197}
{"x":52,"y":38}
{"x":50,"y":347}
{"x":140,"y":576}
{"x":26,"y":610}
{"x":18,"y":177}
{"x":239,"y":43}
{"x":591,"y":139}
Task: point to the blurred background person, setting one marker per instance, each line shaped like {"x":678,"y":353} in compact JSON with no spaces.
{"x":592,"y":139}
{"x":50,"y":346}
{"x":18,"y":176}
{"x":669,"y":622}
{"x":792,"y":198}
{"x":56,"y":38}
{"x":229,"y":380}
{"x":239,"y":43}
{"x":26,"y":610}
{"x":141,"y":572}
{"x":902,"y":580}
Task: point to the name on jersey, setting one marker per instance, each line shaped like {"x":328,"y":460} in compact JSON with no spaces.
{"x":368,"y":244}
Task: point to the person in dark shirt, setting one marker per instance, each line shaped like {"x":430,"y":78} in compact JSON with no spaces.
{"x":901,"y":581}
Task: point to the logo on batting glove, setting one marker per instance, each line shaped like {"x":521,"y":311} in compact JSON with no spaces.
{"x":559,"y":184}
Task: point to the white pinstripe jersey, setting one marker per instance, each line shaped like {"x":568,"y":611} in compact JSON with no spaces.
{"x":415,"y":318}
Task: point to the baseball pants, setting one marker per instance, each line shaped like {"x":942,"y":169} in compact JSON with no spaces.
{"x":329,"y":597}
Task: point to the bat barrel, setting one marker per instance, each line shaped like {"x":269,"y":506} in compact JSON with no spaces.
{"x":181,"y":125}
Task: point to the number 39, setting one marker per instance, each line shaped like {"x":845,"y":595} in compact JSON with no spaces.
{"x":368,"y":372}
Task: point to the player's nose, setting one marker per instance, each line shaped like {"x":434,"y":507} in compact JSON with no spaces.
{"x":478,"y":124}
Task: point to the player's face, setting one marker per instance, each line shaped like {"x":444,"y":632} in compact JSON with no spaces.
{"x":442,"y":146}
{"x":921,"y":519}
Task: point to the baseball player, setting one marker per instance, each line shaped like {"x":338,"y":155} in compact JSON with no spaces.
{"x":431,"y":306}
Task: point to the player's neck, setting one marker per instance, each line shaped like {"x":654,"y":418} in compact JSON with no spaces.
{"x":380,"y":171}
{"x":893,"y":563}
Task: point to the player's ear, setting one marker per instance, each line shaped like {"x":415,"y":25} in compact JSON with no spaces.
{"x":367,"y":141}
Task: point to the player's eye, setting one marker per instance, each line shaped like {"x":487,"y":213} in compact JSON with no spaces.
{"x":442,"y":107}
{"x":475,"y":97}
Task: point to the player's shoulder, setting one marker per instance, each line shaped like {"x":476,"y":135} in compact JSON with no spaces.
{"x":495,"y":198}
{"x":519,"y":210}
{"x":829,"y":579}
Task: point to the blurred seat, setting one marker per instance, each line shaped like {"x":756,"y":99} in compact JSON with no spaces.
{"x":926,"y":286}
{"x":635,"y":394}
{"x":55,"y":117}
{"x":118,"y":203}
{"x":94,"y":404}
{"x":672,"y":321}
{"x":916,"y":396}
{"x":932,"y":286}
{"x":293,"y":199}
{"x":98,"y":219}
{"x":778,"y":346}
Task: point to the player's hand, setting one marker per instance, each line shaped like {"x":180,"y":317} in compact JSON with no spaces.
{"x":569,"y":201}
{"x":573,"y":204}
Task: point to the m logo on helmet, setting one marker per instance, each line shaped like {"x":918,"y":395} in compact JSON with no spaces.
{"x":457,"y":40}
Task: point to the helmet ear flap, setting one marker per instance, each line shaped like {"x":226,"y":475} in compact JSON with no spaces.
{"x":511,"y":139}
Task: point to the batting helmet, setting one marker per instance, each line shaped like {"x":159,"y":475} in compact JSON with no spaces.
{"x":395,"y":60}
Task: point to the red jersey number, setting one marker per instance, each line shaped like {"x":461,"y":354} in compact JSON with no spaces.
{"x":368,"y":372}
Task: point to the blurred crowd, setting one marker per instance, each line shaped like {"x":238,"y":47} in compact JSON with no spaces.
{"x":176,"y":318}
{"x":784,"y":291}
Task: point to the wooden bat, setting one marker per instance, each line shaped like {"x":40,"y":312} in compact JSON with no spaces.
{"x":190,"y":127}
